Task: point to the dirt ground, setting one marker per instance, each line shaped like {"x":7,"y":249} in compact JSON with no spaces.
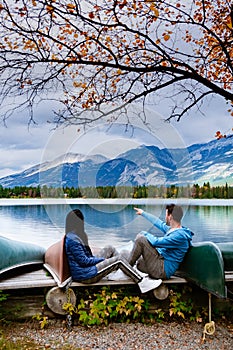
{"x":164,"y":335}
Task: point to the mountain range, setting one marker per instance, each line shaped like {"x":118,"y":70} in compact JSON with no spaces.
{"x":146,"y":165}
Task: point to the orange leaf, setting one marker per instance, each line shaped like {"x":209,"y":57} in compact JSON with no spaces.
{"x":70,"y":6}
{"x":154,"y":9}
{"x":49,"y":8}
{"x":166,"y":37}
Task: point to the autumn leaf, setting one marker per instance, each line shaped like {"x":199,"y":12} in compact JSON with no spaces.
{"x":166,"y":37}
{"x":49,"y":8}
{"x":154,"y":9}
{"x":70,"y":6}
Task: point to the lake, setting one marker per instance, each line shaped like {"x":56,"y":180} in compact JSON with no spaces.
{"x":110,"y":222}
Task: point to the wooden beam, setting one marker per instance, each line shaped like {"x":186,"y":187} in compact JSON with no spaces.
{"x":40,"y":278}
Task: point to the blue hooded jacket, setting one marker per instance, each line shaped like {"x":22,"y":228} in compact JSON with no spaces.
{"x":172,"y":246}
{"x":81,"y":261}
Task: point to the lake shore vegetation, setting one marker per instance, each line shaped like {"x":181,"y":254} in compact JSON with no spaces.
{"x":196,"y":191}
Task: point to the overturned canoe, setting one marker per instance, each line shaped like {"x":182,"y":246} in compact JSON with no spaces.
{"x":205,"y":265}
{"x":15,"y":254}
{"x":55,"y":261}
{"x":227,"y":254}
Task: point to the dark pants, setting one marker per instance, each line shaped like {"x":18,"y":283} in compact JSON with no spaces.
{"x":147,"y":258}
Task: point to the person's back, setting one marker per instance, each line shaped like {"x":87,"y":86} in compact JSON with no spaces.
{"x":81,"y":261}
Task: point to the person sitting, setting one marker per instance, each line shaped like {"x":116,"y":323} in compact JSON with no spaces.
{"x":88,"y":268}
{"x":160,"y":257}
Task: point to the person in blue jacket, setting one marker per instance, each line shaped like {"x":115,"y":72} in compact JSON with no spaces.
{"x":160,"y":257}
{"x":84,"y":266}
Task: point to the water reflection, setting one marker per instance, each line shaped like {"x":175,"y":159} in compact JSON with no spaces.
{"x":109,"y":224}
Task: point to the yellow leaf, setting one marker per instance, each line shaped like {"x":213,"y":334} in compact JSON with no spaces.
{"x":229,"y":22}
{"x":179,"y":313}
{"x":154,"y":9}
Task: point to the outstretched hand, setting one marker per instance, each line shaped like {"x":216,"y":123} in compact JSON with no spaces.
{"x":138,"y":211}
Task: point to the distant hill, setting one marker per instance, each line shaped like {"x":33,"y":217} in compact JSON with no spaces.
{"x":146,"y":165}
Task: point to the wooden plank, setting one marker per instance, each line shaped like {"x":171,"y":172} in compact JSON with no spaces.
{"x":175,"y":279}
{"x":33,"y":279}
{"x":40,"y":279}
{"x":228,"y":276}
{"x":105,"y":281}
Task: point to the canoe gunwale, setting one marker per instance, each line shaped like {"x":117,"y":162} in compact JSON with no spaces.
{"x":20,"y":266}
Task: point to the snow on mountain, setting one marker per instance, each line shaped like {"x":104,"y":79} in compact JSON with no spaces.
{"x":145,"y":165}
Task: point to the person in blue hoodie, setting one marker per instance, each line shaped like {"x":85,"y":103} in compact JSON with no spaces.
{"x":84,"y":266}
{"x":160,"y":257}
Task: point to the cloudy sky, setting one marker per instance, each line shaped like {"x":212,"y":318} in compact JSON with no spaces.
{"x":22,"y":146}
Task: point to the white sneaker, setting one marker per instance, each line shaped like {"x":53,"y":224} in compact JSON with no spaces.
{"x":148,"y":284}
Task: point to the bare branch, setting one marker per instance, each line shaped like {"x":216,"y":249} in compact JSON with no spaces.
{"x":90,"y":54}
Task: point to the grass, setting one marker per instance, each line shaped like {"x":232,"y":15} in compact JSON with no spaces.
{"x":6,"y":344}
{"x":26,"y":344}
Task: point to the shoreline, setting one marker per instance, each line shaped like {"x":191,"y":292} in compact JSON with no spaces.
{"x":118,"y":201}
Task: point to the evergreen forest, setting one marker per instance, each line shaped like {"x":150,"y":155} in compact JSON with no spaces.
{"x":173,"y":191}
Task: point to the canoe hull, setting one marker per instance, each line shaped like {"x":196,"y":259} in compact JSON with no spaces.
{"x":15,"y":254}
{"x":204,"y":266}
{"x":227,"y":254}
{"x":56,"y":263}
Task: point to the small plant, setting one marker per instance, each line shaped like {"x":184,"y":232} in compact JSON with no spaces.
{"x":69,"y":308}
{"x":159,"y":315}
{"x":179,"y":306}
{"x":3,"y":297}
{"x":43,"y":320}
{"x":109,"y":306}
{"x":183,"y":306}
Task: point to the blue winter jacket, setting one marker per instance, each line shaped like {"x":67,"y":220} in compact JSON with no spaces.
{"x":172,"y":246}
{"x":81,"y":261}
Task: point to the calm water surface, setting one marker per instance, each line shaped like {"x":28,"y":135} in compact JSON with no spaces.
{"x":109,"y":224}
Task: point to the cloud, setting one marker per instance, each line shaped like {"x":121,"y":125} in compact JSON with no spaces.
{"x":201,"y":128}
{"x":22,"y":147}
{"x":111,"y":140}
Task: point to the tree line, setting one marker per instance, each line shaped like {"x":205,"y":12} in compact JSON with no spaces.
{"x":173,"y":191}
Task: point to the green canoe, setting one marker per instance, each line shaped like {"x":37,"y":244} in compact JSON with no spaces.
{"x":15,"y":254}
{"x":227,"y":254}
{"x":205,"y":265}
